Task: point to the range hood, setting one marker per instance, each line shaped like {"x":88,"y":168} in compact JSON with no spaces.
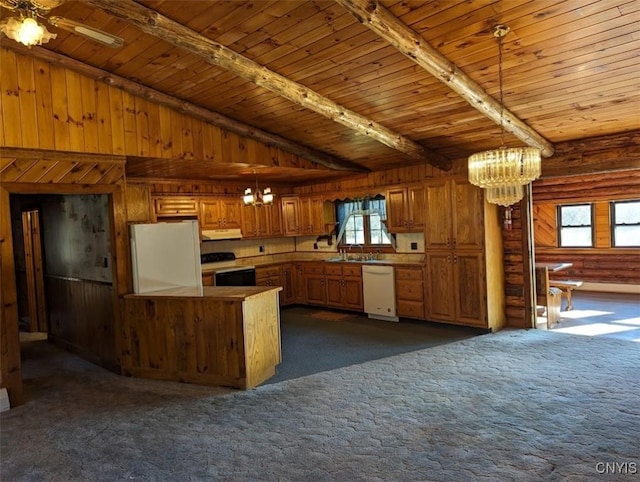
{"x":218,"y":234}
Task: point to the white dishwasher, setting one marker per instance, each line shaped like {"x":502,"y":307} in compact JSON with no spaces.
{"x":378,"y":285}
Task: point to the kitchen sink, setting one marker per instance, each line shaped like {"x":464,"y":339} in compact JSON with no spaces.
{"x":366,"y":261}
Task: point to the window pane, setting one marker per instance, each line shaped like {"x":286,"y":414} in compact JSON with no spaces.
{"x":378,"y":236}
{"x":627,"y":213}
{"x":576,"y":215}
{"x":626,"y":235}
{"x":575,"y":237}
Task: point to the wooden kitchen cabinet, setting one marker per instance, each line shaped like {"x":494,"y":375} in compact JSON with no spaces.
{"x":410,"y":292}
{"x":261,"y":221}
{"x":220,"y":213}
{"x":288,"y":293}
{"x":175,"y":206}
{"x":307,"y":215}
{"x":455,"y":215}
{"x":315,"y":288}
{"x":298,"y":282}
{"x":405,"y":208}
{"x":456,"y":287}
{"x":344,"y":286}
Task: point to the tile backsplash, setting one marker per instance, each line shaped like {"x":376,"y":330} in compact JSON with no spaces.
{"x":269,"y":247}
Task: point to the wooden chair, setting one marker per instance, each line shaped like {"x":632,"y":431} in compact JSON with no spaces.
{"x":547,"y":297}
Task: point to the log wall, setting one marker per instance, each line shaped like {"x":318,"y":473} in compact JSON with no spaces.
{"x":603,"y":263}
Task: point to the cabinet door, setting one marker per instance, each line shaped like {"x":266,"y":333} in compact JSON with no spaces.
{"x":274,"y":217}
{"x":230,"y":212}
{"x":467,"y":213}
{"x":298,"y":283}
{"x":291,"y":216}
{"x":315,"y":289}
{"x":438,"y":226}
{"x":176,"y":205}
{"x":416,"y":207}
{"x":396,"y":202}
{"x":440,"y":287}
{"x":469,"y":285}
{"x":287,"y":295}
{"x":249,"y":221}
{"x":334,"y":291}
{"x":210,"y":214}
{"x":352,"y":294}
{"x":315,"y":210}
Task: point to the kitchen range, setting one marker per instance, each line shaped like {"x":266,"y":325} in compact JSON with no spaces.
{"x":225,"y":270}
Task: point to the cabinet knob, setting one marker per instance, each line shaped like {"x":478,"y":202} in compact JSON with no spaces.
{"x":455,"y":258}
{"x":454,"y":242}
{"x":448,"y":258}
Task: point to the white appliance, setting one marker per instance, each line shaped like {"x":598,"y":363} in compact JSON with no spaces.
{"x":223,"y":233}
{"x":165,"y":255}
{"x":378,"y":285}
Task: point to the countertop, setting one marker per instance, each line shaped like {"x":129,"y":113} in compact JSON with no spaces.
{"x":222,"y":293}
{"x":208,"y":269}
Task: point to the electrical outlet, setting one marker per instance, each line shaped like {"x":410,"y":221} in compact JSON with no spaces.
{"x":414,"y":246}
{"x":261,"y":249}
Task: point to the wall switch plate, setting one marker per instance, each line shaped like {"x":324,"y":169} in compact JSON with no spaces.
{"x":414,"y":246}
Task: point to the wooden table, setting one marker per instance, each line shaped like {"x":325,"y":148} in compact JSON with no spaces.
{"x":554,"y":266}
{"x":566,"y":286}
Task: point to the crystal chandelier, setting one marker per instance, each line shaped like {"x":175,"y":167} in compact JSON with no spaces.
{"x":257,"y":197}
{"x":26,"y":30}
{"x":504,"y":171}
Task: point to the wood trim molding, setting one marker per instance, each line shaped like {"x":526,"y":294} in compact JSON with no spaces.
{"x":152,"y":23}
{"x":43,"y":154}
{"x":374,"y":16}
{"x":187,"y":108}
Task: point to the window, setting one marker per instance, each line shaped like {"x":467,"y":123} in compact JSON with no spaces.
{"x":625,"y":223}
{"x":575,"y":225}
{"x":361,"y":222}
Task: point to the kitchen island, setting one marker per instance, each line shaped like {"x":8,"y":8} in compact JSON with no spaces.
{"x":227,"y":336}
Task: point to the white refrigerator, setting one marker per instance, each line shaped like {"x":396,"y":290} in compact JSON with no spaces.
{"x":165,"y":255}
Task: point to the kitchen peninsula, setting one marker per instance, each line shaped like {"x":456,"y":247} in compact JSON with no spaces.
{"x":227,"y":336}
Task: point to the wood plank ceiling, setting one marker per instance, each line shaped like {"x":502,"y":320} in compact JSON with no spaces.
{"x":570,"y":69}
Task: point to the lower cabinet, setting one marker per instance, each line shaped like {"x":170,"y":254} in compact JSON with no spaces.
{"x":410,"y":301}
{"x":315,"y":288}
{"x":344,"y":286}
{"x":208,"y":279}
{"x":456,"y":287}
{"x":280,"y":275}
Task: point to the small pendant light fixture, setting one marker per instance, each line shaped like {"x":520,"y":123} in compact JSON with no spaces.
{"x":504,"y":171}
{"x":257,"y":198}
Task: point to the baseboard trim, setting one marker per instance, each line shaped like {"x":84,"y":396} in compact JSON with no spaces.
{"x":610,"y":287}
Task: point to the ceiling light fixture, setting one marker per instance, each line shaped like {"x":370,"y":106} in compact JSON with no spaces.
{"x":504,"y":171}
{"x":257,"y":198}
{"x":26,"y":30}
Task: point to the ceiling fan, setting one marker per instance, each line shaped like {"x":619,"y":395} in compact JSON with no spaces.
{"x":26,"y":29}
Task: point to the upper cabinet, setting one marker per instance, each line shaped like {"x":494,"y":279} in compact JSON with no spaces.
{"x":262,"y":221}
{"x":175,"y":206}
{"x":405,"y":209}
{"x":220,"y":213}
{"x":455,"y":211}
{"x":307,"y":215}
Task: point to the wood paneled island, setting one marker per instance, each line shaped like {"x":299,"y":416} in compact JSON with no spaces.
{"x":226,"y":336}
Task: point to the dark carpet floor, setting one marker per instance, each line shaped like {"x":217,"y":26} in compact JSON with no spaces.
{"x":311,"y":344}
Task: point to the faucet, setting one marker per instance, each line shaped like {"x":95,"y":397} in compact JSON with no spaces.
{"x":361,"y":250}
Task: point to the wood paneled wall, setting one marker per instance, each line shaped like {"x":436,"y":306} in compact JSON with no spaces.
{"x":602,"y":263}
{"x":45,"y":106}
{"x":81,"y":315}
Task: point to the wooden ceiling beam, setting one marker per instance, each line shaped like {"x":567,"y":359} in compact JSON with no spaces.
{"x":188,"y":108}
{"x":374,"y":16}
{"x":153,"y":23}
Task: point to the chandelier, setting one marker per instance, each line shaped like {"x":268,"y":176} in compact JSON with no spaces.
{"x":26,"y":30}
{"x":504,"y":171}
{"x":257,"y":197}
